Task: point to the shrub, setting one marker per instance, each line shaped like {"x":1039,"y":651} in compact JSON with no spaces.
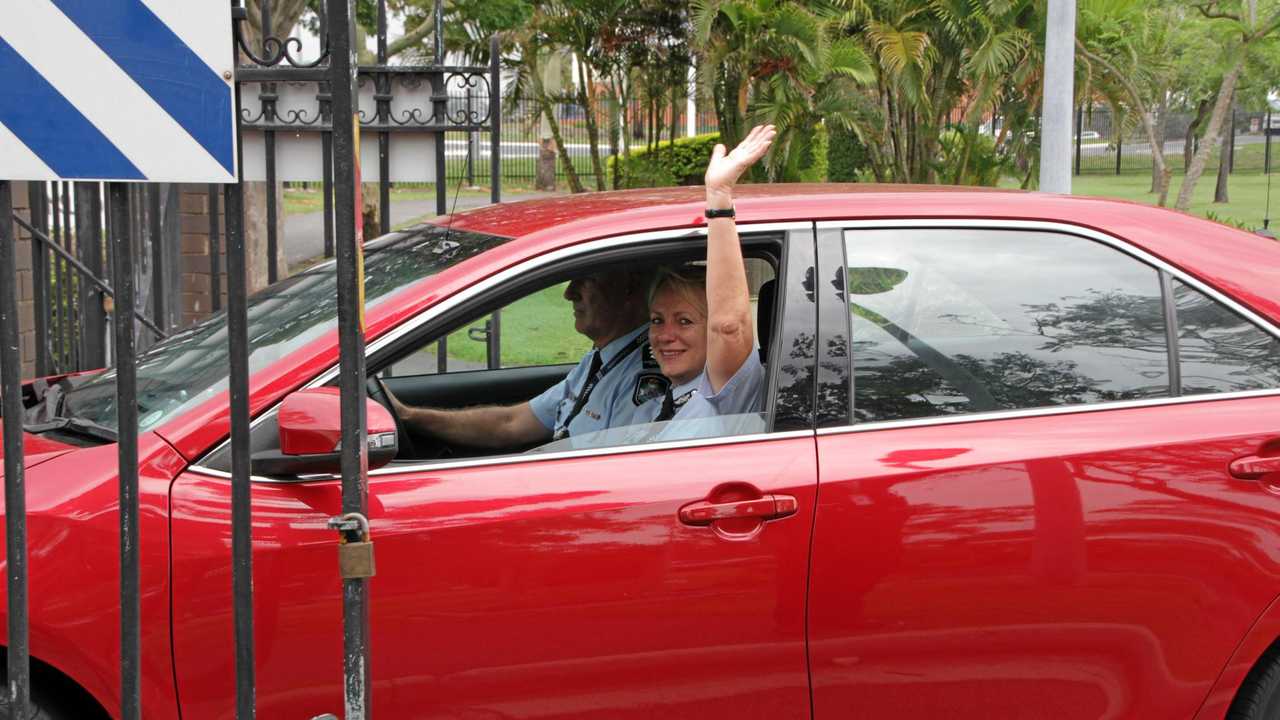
{"x":846,"y":156}
{"x":681,"y":163}
{"x":815,"y":159}
{"x":985,"y":165}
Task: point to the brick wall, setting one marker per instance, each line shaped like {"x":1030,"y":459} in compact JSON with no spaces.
{"x":197,"y":276}
{"x":26,"y":295}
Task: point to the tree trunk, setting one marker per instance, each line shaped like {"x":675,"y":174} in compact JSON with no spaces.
{"x":1162,"y":126}
{"x":1159,"y":169}
{"x":1226,"y":149}
{"x":1188,"y":145}
{"x":586,"y":93}
{"x":1211,"y":134}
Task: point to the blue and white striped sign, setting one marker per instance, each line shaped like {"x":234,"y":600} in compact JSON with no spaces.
{"x":133,"y":90}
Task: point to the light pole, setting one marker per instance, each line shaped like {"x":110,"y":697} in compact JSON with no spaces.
{"x":1059,"y":75}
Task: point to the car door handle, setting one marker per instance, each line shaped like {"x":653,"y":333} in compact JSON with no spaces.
{"x":769,"y":507}
{"x":1254,"y":466}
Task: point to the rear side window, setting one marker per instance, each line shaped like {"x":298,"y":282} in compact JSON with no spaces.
{"x":956,"y":321}
{"x":1220,"y":351}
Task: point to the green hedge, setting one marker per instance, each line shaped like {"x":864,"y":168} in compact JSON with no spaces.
{"x":846,"y":156}
{"x":681,"y":163}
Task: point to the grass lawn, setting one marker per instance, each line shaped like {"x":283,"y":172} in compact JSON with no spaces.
{"x":1247,"y":191}
{"x":536,"y":330}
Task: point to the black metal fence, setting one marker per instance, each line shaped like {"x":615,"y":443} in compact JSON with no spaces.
{"x":104,"y":252}
{"x":525,"y":130}
{"x":1107,"y":144}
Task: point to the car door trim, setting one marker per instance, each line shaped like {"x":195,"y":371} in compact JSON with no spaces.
{"x":496,"y":280}
{"x":869,"y":426}
{"x":427,"y":466}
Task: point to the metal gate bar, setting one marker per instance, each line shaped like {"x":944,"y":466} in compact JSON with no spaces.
{"x":47,"y":243}
{"x":93,"y":317}
{"x":18,"y":662}
{"x":355,"y":460}
{"x":39,"y":276}
{"x":127,"y":450}
{"x":238,"y":391}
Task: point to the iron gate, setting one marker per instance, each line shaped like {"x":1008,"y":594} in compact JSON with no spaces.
{"x":84,"y":240}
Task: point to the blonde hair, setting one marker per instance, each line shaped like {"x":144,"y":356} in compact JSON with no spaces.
{"x":688,"y":281}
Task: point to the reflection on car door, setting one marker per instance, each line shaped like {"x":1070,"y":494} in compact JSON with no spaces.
{"x":1044,"y":563}
{"x":560,"y":588}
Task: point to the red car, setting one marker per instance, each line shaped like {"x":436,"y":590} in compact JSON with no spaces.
{"x":1020,"y":457}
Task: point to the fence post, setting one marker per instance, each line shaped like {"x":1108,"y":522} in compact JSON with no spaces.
{"x":1119,"y":151}
{"x":1266,"y":153}
{"x":93,"y":321}
{"x":127,"y":449}
{"x":1231,"y":157}
{"x":1079,"y":128}
{"x":355,"y":460}
{"x":472,"y":139}
{"x":495,"y":121}
{"x":15,"y":502}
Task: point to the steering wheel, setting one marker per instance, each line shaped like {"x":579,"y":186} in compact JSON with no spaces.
{"x":379,"y":394}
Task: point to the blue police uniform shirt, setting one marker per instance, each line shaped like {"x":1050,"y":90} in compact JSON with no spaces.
{"x":613,"y":401}
{"x":735,"y":410}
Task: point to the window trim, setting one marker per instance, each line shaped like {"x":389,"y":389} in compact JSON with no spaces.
{"x":491,"y":283}
{"x":1167,"y":272}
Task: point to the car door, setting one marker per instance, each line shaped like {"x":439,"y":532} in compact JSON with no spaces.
{"x":1027,"y":509}
{"x":568,"y":585}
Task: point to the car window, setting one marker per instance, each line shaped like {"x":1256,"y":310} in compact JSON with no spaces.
{"x":529,"y":345}
{"x":960,"y":321}
{"x":533,"y":331}
{"x":1220,"y":351}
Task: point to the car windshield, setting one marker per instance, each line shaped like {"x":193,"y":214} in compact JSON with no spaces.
{"x":192,"y":366}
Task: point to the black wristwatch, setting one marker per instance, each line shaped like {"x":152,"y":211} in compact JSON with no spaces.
{"x":713,"y":213}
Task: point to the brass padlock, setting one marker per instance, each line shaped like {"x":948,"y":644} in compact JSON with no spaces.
{"x":355,"y":559}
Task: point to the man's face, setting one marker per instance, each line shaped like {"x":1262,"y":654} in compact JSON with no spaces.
{"x":596,"y":306}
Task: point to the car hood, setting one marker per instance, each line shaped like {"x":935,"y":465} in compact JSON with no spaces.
{"x":36,"y":449}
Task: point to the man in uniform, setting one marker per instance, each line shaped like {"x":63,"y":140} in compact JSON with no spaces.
{"x":605,"y":390}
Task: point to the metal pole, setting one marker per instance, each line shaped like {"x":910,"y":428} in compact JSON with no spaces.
{"x":238,"y":392}
{"x":1119,"y":152}
{"x":495,"y":121}
{"x":1079,"y":134}
{"x":40,"y":277}
{"x":439,"y":111}
{"x":494,"y":346}
{"x":325,"y":97}
{"x":157,"y":255}
{"x":70,"y":321}
{"x":382,"y":99}
{"x":127,"y":450}
{"x":1266,"y":150}
{"x":268,"y":97}
{"x":15,"y":499}
{"x":355,"y":459}
{"x":93,"y":320}
{"x":1059,"y":72}
{"x":471,"y":146}
{"x":1231,"y":159}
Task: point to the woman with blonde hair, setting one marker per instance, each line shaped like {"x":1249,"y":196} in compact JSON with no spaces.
{"x":700,"y":326}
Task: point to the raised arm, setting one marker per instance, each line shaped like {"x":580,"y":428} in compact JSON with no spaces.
{"x":729,"y":331}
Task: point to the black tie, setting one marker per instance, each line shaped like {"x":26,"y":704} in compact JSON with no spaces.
{"x":668,"y":408}
{"x":595,"y":367}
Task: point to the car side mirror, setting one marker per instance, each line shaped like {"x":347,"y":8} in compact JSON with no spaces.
{"x":311,"y":432}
